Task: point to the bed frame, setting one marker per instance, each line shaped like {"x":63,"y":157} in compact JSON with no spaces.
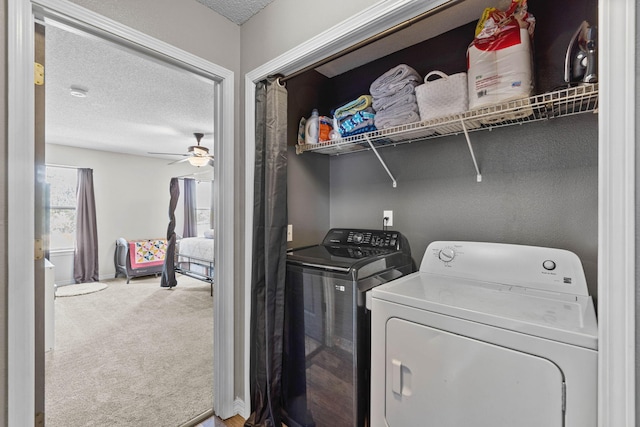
{"x":123,"y":263}
{"x":197,"y":268}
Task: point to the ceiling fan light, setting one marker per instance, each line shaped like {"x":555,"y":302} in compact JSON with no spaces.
{"x":198,"y":161}
{"x":200,"y":151}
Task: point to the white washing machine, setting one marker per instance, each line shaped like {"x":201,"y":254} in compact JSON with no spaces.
{"x":485,"y":335}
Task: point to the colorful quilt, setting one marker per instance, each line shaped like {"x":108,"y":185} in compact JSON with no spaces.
{"x":147,"y":253}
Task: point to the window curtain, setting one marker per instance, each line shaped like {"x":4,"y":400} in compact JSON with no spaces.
{"x":190,"y":221}
{"x":85,"y":260}
{"x":269,"y":254}
{"x":168,"y":279}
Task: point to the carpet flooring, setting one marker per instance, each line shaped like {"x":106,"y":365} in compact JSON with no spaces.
{"x":131,"y":355}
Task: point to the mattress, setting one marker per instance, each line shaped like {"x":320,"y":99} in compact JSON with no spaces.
{"x":198,"y":248}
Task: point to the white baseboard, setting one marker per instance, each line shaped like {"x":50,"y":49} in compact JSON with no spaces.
{"x":64,"y":283}
{"x":240,"y":408}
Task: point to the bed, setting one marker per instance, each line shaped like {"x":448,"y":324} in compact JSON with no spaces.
{"x":194,"y":258}
{"x":137,"y":258}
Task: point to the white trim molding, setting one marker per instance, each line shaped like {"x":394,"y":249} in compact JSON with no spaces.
{"x":250,"y":156}
{"x":239,"y":407}
{"x":20,"y":233}
{"x":21,"y":312}
{"x":616,"y":213}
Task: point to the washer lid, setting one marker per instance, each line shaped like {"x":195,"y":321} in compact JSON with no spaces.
{"x":339,"y":258}
{"x":344,"y":249}
{"x":556,"y":316}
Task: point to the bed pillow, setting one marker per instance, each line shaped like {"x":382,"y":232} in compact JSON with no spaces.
{"x":209,"y":234}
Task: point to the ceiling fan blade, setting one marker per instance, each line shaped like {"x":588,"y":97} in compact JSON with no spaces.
{"x":194,"y":151}
{"x":170,"y":154}
{"x":179,"y":161}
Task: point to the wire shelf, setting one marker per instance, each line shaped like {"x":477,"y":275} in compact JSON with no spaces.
{"x":561,"y":103}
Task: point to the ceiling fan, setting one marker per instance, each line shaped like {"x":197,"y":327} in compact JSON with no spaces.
{"x":197,"y":155}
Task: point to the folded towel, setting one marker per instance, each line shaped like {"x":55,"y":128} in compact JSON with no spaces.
{"x":397,"y":116}
{"x":394,"y":80}
{"x":399,"y":109}
{"x":353,"y":107}
{"x":380,"y":102}
{"x":351,"y":122}
{"x":391,"y":102}
{"x":397,"y":120}
{"x":365,"y":127}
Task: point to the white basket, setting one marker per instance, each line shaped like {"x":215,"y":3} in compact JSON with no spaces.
{"x":442,"y":97}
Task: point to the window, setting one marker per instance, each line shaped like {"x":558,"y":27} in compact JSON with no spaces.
{"x":63,"y":184}
{"x":203,"y":206}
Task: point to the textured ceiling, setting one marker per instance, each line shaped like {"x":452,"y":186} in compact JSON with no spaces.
{"x":134,"y":104}
{"x":238,"y":11}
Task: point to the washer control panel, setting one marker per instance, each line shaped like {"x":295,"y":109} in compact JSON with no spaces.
{"x":531,"y":267}
{"x":383,"y":239}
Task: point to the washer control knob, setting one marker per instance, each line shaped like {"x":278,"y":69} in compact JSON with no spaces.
{"x":447,"y":254}
{"x":358,"y":238}
{"x":549,"y":265}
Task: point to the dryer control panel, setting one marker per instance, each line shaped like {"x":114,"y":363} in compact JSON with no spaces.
{"x":530,"y":267}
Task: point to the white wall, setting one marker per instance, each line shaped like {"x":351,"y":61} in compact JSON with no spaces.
{"x":186,"y":24}
{"x":284,"y":24}
{"x":132,"y":198}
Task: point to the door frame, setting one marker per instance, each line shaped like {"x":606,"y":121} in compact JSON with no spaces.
{"x":20,"y":171}
{"x":616,"y":182}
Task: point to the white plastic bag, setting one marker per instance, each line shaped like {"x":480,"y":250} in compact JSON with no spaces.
{"x":499,"y":59}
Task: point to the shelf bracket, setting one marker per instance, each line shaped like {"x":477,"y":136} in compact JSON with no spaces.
{"x":473,"y":156}
{"x":384,"y":165}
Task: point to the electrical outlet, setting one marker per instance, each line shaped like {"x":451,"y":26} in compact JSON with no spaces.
{"x":290,"y":233}
{"x":389,"y":215}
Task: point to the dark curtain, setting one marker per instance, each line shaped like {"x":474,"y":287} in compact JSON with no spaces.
{"x":85,"y":260}
{"x":269,"y":254}
{"x":168,"y":279}
{"x":190,"y":220}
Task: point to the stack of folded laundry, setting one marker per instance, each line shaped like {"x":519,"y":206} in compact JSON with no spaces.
{"x":355,"y":117}
{"x":394,"y":99}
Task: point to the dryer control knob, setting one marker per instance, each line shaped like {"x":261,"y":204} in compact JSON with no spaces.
{"x":549,"y":265}
{"x":447,"y":254}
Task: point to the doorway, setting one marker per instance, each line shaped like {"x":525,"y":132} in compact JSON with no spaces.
{"x":126,"y":345}
{"x":21,"y":389}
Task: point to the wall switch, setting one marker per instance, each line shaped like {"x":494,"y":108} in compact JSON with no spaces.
{"x":290,"y":233}
{"x":387,"y":214}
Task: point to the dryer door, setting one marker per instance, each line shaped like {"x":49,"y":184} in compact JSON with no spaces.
{"x":436,"y":378}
